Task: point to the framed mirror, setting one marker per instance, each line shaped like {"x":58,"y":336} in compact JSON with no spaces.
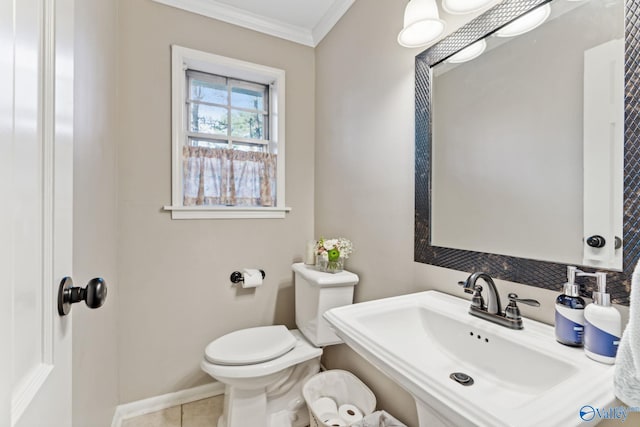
{"x":514,"y":139}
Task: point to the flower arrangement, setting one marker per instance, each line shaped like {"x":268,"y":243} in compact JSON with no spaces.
{"x":331,"y":254}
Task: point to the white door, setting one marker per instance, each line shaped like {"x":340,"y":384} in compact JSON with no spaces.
{"x":36,"y":142}
{"x":603,"y":150}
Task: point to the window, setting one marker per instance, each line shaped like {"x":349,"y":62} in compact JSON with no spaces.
{"x":227,"y":138}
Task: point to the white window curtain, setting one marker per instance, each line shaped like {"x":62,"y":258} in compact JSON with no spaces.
{"x":223,"y":176}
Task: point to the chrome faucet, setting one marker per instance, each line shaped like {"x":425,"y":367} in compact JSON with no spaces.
{"x":492,"y":311}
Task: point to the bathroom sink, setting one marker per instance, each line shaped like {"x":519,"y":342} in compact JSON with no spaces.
{"x":519,"y":377}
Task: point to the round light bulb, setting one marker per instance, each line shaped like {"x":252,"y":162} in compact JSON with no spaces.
{"x":526,"y":22}
{"x":422,"y":24}
{"x":468,"y":53}
{"x":420,"y":33}
{"x":462,"y":7}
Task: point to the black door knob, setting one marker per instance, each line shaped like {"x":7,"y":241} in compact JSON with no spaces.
{"x":94,"y":294}
{"x":596,"y":241}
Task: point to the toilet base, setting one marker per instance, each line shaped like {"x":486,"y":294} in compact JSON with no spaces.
{"x":278,"y":405}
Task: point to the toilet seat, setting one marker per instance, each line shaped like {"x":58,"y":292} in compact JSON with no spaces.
{"x":250,"y":346}
{"x":301,"y":352}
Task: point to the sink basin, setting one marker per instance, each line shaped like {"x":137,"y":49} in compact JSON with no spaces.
{"x":520,"y":377}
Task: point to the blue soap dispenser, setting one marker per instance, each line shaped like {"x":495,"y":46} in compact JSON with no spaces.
{"x":570,"y":312}
{"x":603,"y":326}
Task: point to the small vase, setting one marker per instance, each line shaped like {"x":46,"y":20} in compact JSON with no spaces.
{"x":334,"y":266}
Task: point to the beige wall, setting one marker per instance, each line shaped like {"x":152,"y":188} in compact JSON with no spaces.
{"x":174,"y":274}
{"x":364,"y":166}
{"x":364,"y":146}
{"x":357,"y":86}
{"x":95,"y":392}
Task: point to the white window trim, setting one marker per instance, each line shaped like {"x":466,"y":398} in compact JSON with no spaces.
{"x":183,"y":58}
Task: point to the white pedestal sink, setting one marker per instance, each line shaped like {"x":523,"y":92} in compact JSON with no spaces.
{"x":520,"y":377}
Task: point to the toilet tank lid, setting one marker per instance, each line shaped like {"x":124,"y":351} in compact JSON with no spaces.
{"x":322,"y":279}
{"x":250,"y":346}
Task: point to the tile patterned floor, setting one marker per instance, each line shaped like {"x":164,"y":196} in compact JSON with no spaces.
{"x":201,"y":413}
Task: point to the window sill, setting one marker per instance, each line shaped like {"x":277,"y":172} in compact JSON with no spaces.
{"x":208,"y":212}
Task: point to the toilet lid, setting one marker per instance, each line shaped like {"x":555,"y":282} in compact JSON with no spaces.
{"x":250,"y":346}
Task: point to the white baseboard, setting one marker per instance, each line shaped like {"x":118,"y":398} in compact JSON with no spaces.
{"x":158,"y":403}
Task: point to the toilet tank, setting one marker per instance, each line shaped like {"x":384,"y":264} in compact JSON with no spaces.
{"x":317,"y":292}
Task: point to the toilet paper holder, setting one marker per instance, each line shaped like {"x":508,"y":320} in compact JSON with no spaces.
{"x":237,"y":277}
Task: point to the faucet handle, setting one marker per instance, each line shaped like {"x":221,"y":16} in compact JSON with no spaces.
{"x":477,"y":300}
{"x":512,"y":311}
{"x":465,"y":286}
{"x":513,"y":298}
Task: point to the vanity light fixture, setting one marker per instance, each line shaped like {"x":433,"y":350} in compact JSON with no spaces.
{"x":422,"y":24}
{"x":526,"y":22}
{"x":468,"y":53}
{"x":461,"y":7}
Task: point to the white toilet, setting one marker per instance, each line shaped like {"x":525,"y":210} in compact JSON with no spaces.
{"x":264,"y":368}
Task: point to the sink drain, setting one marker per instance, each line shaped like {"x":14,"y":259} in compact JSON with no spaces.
{"x":461,"y":378}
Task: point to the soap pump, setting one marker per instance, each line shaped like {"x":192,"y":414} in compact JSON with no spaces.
{"x":569,"y":323}
{"x":603,"y":326}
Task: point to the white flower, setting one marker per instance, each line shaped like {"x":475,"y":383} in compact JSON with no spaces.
{"x":345,"y":247}
{"x":330,"y":244}
{"x":341,"y":244}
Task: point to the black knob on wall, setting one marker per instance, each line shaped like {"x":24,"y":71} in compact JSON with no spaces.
{"x":596,"y":241}
{"x":94,"y":294}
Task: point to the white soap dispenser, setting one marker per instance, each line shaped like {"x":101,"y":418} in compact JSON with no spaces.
{"x":602,"y":326}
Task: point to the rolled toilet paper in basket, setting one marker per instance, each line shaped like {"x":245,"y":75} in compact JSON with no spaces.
{"x":349,"y":413}
{"x":325,"y":418}
{"x":335,"y":422}
{"x":325,"y":405}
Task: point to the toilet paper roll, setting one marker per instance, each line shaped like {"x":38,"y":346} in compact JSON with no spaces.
{"x":329,"y":416}
{"x":335,"y":422}
{"x":252,"y":278}
{"x":325,"y":405}
{"x":349,"y":413}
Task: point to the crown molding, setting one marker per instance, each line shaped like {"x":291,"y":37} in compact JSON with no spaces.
{"x":272,"y":27}
{"x":243,"y":18}
{"x":330,"y":19}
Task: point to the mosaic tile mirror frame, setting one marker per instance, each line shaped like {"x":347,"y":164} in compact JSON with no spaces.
{"x":543,"y":274}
